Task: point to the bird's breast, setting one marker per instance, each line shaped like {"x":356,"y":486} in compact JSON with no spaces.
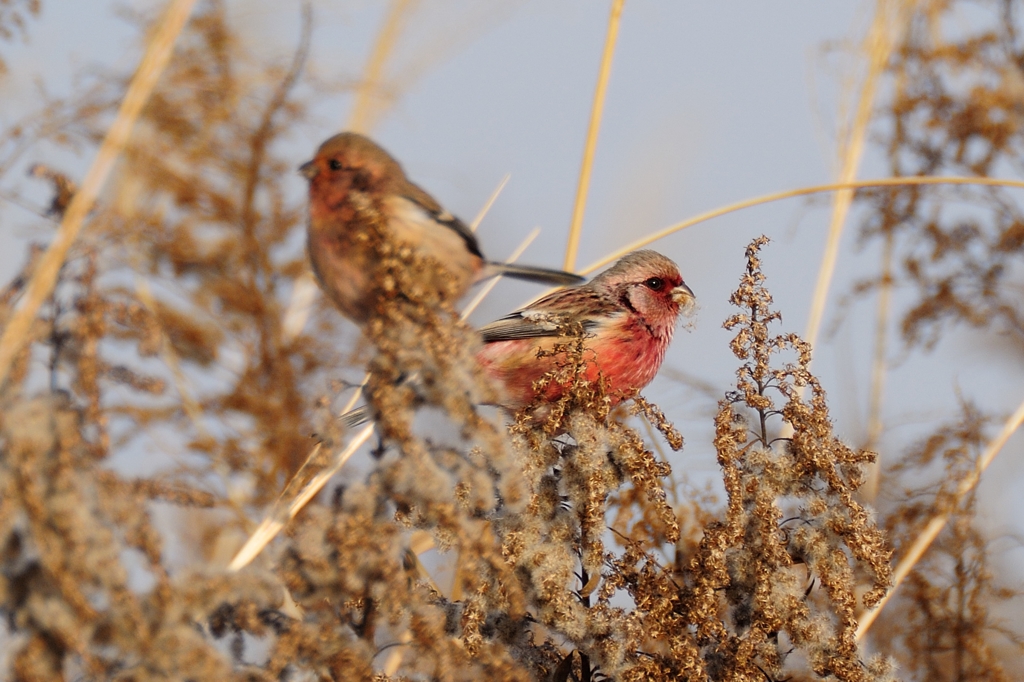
{"x":629,"y":356}
{"x":342,"y":262}
{"x":625,"y":354}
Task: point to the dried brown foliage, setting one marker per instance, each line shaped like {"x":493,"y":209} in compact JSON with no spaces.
{"x":199,"y":209}
{"x":14,"y":15}
{"x":770,"y":591}
{"x":570,"y":558}
{"x":538,"y":594}
{"x":947,"y":629}
{"x":956,"y":111}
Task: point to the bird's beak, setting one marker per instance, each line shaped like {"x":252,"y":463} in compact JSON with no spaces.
{"x":309,"y":170}
{"x":683,"y":294}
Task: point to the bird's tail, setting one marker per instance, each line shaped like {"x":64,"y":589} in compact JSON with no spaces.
{"x":532,"y":274}
{"x":356,"y":417}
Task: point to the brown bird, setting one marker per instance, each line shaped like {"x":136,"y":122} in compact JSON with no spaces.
{"x":355,"y":184}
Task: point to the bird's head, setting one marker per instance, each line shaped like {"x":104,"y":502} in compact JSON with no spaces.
{"x":649,"y":284}
{"x":345,"y":163}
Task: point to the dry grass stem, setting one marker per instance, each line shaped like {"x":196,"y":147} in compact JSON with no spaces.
{"x":158,"y":53}
{"x":304,"y":294}
{"x":879,"y":366}
{"x":789,"y":194}
{"x":366,"y":110}
{"x":493,"y":282}
{"x":486,"y":208}
{"x":394,"y":660}
{"x":938,"y":522}
{"x":282,"y":514}
{"x":891,"y":17}
{"x":596,"y":110}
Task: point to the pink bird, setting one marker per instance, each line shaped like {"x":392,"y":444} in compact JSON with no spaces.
{"x":355,"y":184}
{"x":628,"y":314}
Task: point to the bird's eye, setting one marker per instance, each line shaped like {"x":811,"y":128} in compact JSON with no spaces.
{"x":334,"y":164}
{"x":655,"y":283}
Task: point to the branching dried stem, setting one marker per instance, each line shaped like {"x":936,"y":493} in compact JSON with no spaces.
{"x":958,"y":263}
{"x":158,"y":52}
{"x":879,"y":367}
{"x":783,"y":560}
{"x":943,"y":622}
{"x":955,"y":252}
{"x":367,"y":107}
{"x":965,"y":487}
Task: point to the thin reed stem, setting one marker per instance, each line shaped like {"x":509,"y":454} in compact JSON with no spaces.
{"x":158,"y":53}
{"x":367,"y":105}
{"x":890,"y":19}
{"x":300,"y":305}
{"x":486,"y":208}
{"x":282,"y":514}
{"x":493,"y":282}
{"x":939,"y":521}
{"x":789,"y":194}
{"x":878,"y":370}
{"x":596,"y":111}
{"x":394,"y":661}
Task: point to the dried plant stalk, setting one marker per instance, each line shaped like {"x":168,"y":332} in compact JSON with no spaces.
{"x":891,"y":17}
{"x":493,"y":282}
{"x":366,"y":109}
{"x":878,"y":369}
{"x":937,"y":523}
{"x":789,"y":194}
{"x":778,"y":573}
{"x":284,"y":512}
{"x":486,"y":208}
{"x":958,"y":253}
{"x":596,"y":110}
{"x":158,"y":53}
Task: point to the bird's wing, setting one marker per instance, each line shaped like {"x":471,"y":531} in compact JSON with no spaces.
{"x":518,"y":326}
{"x":416,"y":195}
{"x":549,"y":316}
